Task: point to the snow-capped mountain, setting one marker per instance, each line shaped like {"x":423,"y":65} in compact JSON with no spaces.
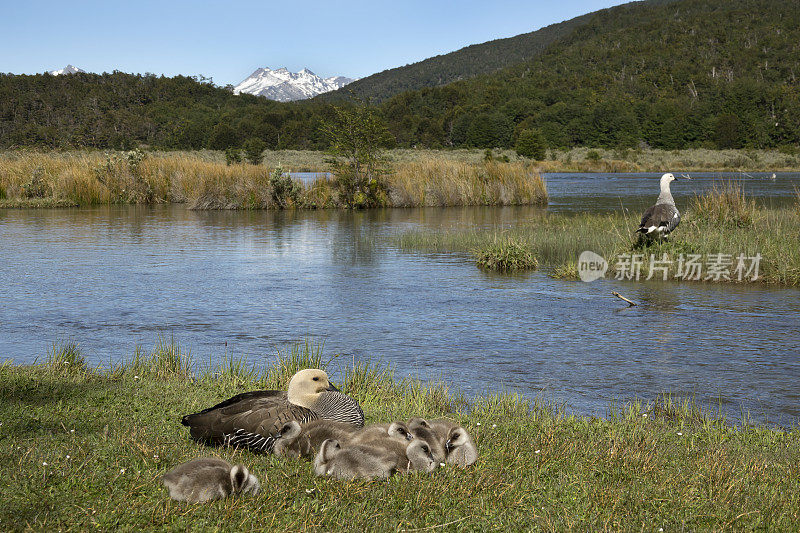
{"x":284,"y":86}
{"x":69,"y":69}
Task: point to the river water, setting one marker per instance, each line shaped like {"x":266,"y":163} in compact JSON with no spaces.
{"x":245,"y":283}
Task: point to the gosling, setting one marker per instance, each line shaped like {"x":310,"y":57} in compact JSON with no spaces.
{"x":209,"y":478}
{"x":459,"y":448}
{"x":295,"y":440}
{"x":380,"y":460}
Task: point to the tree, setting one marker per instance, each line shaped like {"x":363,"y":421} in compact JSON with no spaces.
{"x":530,"y":143}
{"x":357,"y":137}
{"x":254,"y":150}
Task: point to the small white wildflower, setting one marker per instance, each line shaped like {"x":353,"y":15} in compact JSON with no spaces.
{"x":72,"y":431}
{"x":68,"y":457}
{"x":441,"y":464}
{"x":121,"y":470}
{"x":661,"y":529}
{"x":537,"y":451}
{"x":479,"y":423}
{"x":309,"y":491}
{"x":135,"y":377}
{"x":155,"y":456}
{"x":679,"y":433}
{"x":494,"y":426}
{"x":644,"y":415}
{"x":44,"y":463}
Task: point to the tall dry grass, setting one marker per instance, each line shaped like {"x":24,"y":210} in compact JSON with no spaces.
{"x":440,"y":182}
{"x":725,"y":204}
{"x":203,"y":182}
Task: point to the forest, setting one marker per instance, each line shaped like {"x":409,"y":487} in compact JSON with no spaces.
{"x":670,"y":75}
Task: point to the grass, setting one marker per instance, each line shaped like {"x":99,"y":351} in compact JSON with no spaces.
{"x":725,"y":204}
{"x":85,"y":450}
{"x":204,"y":181}
{"x":505,"y":255}
{"x":556,"y":241}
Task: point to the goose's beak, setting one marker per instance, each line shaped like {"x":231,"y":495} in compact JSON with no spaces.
{"x":332,"y":387}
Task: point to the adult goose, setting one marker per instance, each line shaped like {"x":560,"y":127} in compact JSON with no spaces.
{"x":662,"y":218}
{"x":254,"y":419}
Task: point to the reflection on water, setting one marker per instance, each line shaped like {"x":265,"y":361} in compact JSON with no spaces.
{"x":112,"y":278}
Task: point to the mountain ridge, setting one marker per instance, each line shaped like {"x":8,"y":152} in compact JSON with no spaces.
{"x":284,"y":86}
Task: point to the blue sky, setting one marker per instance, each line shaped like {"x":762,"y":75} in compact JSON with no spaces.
{"x":228,"y":40}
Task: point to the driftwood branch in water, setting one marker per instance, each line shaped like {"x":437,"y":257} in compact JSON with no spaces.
{"x":618,"y":295}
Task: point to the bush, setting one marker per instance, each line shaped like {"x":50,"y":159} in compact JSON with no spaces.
{"x":36,"y":187}
{"x":254,"y":150}
{"x":593,"y":155}
{"x":285,"y":191}
{"x":530,"y":143}
{"x":233,"y":155}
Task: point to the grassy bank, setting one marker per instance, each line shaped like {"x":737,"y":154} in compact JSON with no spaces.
{"x":203,"y":181}
{"x":556,"y":240}
{"x":83,"y":449}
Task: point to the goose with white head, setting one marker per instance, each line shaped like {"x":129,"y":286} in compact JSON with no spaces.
{"x":662,"y":218}
{"x":254,"y":419}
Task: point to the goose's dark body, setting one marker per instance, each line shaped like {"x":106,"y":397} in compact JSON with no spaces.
{"x":254,"y":419}
{"x":663,"y":218}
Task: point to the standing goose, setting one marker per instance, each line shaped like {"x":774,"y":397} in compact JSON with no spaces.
{"x":661,"y":219}
{"x":254,"y":419}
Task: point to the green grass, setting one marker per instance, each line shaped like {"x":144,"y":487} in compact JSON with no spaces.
{"x":505,"y":255}
{"x":556,"y":241}
{"x":85,"y":450}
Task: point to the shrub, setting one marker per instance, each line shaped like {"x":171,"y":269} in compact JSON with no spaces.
{"x":593,"y":155}
{"x":233,"y":155}
{"x":36,"y":186}
{"x":530,"y":143}
{"x":285,"y":191}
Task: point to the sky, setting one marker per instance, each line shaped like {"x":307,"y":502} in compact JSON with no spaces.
{"x":229,"y":40}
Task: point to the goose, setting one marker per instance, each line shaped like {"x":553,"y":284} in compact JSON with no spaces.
{"x":254,"y":419}
{"x":423,"y":430}
{"x":208,"y":478}
{"x":662,"y":218}
{"x":379,"y":460}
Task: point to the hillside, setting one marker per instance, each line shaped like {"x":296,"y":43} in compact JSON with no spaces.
{"x":664,"y":74}
{"x":671,"y":75}
{"x":462,"y":64}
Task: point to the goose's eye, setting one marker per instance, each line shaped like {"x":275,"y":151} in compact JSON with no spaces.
{"x":425,"y":448}
{"x":455,"y":436}
{"x":316,"y":379}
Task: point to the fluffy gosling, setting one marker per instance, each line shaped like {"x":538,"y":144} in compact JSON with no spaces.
{"x":208,"y":478}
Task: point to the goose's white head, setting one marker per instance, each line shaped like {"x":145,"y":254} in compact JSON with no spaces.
{"x":667,"y":178}
{"x":307,"y":385}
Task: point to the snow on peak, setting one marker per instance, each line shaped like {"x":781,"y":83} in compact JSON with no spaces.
{"x":69,"y":69}
{"x":284,"y":86}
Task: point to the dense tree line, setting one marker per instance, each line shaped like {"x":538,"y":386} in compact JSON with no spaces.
{"x":671,"y":75}
{"x":668,"y":74}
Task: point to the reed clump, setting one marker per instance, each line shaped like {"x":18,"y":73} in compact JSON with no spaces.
{"x":442,"y":182}
{"x":505,"y":255}
{"x":726,"y":204}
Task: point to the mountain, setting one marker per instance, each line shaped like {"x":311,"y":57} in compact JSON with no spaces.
{"x":69,"y":69}
{"x":285,"y":86}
